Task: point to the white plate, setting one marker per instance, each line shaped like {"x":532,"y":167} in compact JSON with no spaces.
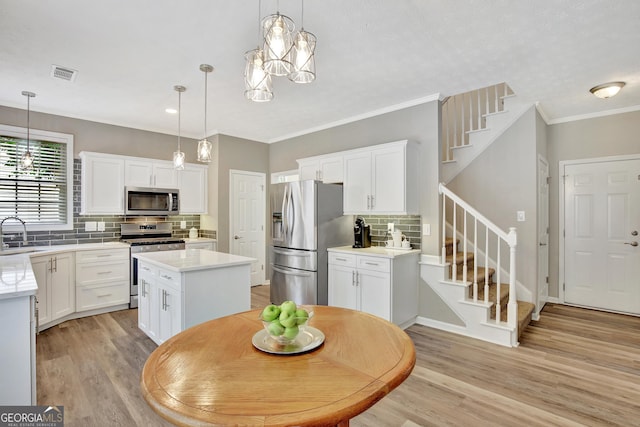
{"x":308,"y":339}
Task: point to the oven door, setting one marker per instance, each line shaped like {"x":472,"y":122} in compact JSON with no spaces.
{"x":133,"y":302}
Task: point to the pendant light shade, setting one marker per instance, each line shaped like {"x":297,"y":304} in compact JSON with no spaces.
{"x":204,"y":146}
{"x":278,"y":43}
{"x":26,"y":161}
{"x":178,"y":155}
{"x":257,"y":81}
{"x":302,"y":58}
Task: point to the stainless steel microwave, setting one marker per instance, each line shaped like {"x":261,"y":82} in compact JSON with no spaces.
{"x":143,"y":201}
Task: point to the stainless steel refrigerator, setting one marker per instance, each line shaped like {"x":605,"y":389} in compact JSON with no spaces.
{"x":306,"y":220}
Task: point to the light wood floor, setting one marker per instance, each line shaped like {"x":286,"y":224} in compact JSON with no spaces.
{"x":573,"y":367}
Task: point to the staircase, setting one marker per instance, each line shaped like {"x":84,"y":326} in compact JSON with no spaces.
{"x":525,"y":309}
{"x":475,"y":276}
{"x":471,"y":121}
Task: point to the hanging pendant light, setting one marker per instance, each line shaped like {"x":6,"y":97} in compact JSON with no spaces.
{"x":204,"y":146}
{"x":302,"y":55}
{"x":257,"y":81}
{"x":178,"y":156}
{"x":278,"y":43}
{"x":26,"y":161}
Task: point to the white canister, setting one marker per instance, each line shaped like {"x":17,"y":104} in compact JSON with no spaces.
{"x":193,"y":233}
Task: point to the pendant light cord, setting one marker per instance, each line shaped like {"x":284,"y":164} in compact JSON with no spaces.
{"x":179,"y":115}
{"x":205,"y":104}
{"x":28,"y":119}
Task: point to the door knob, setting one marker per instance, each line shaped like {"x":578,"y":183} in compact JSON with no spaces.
{"x":631,"y":243}
{"x":634,"y":233}
{"x":237,"y":237}
{"x":542,"y":244}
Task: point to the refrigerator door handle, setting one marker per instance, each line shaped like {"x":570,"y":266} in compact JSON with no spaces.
{"x":292,"y":272}
{"x":284,"y":214}
{"x":292,"y":252}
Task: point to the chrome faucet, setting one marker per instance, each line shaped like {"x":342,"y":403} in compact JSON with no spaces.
{"x":4,"y":245}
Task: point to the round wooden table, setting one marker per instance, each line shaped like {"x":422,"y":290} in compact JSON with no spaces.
{"x":211,"y":374}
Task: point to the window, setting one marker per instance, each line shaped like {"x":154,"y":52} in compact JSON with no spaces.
{"x":42,"y":196}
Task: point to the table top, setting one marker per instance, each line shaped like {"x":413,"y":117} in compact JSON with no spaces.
{"x":211,"y":374}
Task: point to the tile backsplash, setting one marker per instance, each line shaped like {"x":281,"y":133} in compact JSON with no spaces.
{"x":410,"y":225}
{"x":112,"y":225}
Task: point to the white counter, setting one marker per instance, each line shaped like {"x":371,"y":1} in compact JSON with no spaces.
{"x":16,"y":275}
{"x":192,"y":259}
{"x":200,"y":240}
{"x":379,"y":251}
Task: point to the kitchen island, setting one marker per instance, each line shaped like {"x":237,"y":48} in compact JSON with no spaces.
{"x":180,"y":289}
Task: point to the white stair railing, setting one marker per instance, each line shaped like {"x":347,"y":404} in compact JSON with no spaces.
{"x":495,"y":241}
{"x":466,"y":112}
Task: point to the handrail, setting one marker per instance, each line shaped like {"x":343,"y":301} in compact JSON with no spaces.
{"x":510,"y":238}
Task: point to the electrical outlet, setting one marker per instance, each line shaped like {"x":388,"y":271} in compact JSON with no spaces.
{"x":426,"y":229}
{"x":183,"y":224}
{"x":101,"y":226}
{"x":390,"y":227}
{"x":90,"y":226}
{"x":520,"y":217}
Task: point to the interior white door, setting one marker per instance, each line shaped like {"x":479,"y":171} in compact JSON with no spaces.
{"x":246,"y":220}
{"x":543,"y":233}
{"x":602,"y":221}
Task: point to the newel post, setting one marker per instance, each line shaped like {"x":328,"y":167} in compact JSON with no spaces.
{"x":512,"y":306}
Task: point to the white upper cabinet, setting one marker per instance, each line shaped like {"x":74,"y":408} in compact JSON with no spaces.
{"x":328,"y":169}
{"x":102,"y":189}
{"x":148,"y":173}
{"x":192,"y":183}
{"x":381,"y":179}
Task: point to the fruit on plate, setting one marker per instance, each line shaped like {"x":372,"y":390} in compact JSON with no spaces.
{"x":270,"y":312}
{"x":285,"y":321}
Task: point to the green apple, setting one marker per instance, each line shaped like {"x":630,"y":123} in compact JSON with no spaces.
{"x":275,"y":328}
{"x":291,"y":332}
{"x":270,"y":312}
{"x":288,"y":306}
{"x":302,"y":316}
{"x":288,"y":318}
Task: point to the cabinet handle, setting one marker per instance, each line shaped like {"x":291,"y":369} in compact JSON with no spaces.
{"x":372,"y":202}
{"x":368,"y":201}
{"x":357,"y":278}
{"x":146,"y":268}
{"x":103,"y":255}
{"x":104,"y":295}
{"x":164,"y":300}
{"x":372,"y":263}
{"x":56,"y":268}
{"x":164,"y":276}
{"x":353,"y":277}
{"x":142,"y":293}
{"x":104,"y":272}
{"x":341,"y":259}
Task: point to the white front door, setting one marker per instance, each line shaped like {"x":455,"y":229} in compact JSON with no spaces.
{"x":602,"y":222}
{"x":246,"y":220}
{"x":543,"y":233}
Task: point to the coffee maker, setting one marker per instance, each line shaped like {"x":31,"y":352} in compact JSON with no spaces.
{"x":361,"y":234}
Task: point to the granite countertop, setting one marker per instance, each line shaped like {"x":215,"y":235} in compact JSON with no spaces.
{"x":16,"y":275}
{"x":380,"y":251}
{"x":192,"y":259}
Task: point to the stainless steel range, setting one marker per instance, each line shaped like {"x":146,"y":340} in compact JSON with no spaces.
{"x":146,"y":238}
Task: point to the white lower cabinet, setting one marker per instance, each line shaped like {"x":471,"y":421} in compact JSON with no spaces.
{"x":102,"y":278}
{"x":383,"y":286}
{"x":56,"y":296}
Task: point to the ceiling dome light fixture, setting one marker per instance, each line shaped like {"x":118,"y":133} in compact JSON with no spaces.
{"x":607,"y":90}
{"x":178,"y":156}
{"x":26,"y":162}
{"x":204,"y":146}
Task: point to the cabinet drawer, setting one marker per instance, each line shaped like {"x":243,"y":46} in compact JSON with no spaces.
{"x":346,"y":260}
{"x":171,"y":278}
{"x":147,"y":270}
{"x":93,"y":297}
{"x":104,"y":272}
{"x":374,"y":263}
{"x":102,"y":255}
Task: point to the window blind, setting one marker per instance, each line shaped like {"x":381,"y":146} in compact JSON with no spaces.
{"x":38,"y":195}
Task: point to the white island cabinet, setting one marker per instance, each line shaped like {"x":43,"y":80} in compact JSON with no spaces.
{"x":180,"y":289}
{"x":375,"y":280}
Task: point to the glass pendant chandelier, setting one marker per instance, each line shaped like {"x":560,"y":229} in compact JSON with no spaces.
{"x":302,"y":55}
{"x":178,"y":156}
{"x":26,"y":162}
{"x":278,"y":43}
{"x":204,"y":146}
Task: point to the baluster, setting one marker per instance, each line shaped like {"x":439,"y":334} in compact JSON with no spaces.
{"x":486,"y":263}
{"x":512,"y":307}
{"x":471,"y":104}
{"x":445,"y":127}
{"x":455,"y":121}
{"x":462,"y":119}
{"x":464,"y":246}
{"x":455,"y":247}
{"x":498,"y":299}
{"x":475,"y":259}
{"x":486,"y":99}
{"x":444,"y":228}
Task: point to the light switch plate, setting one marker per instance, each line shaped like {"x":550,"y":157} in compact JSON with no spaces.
{"x":426,"y":229}
{"x":183,"y":224}
{"x":520,"y":217}
{"x":101,"y":226}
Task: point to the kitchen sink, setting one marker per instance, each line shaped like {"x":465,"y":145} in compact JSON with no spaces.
{"x":15,"y":251}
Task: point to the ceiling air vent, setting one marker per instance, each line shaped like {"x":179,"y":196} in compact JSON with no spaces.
{"x":63,"y":73}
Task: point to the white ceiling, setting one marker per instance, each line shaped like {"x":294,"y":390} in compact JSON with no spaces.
{"x":372,"y":56}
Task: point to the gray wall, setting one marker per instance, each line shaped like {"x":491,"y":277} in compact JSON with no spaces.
{"x":583,"y":139}
{"x":502,"y":181}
